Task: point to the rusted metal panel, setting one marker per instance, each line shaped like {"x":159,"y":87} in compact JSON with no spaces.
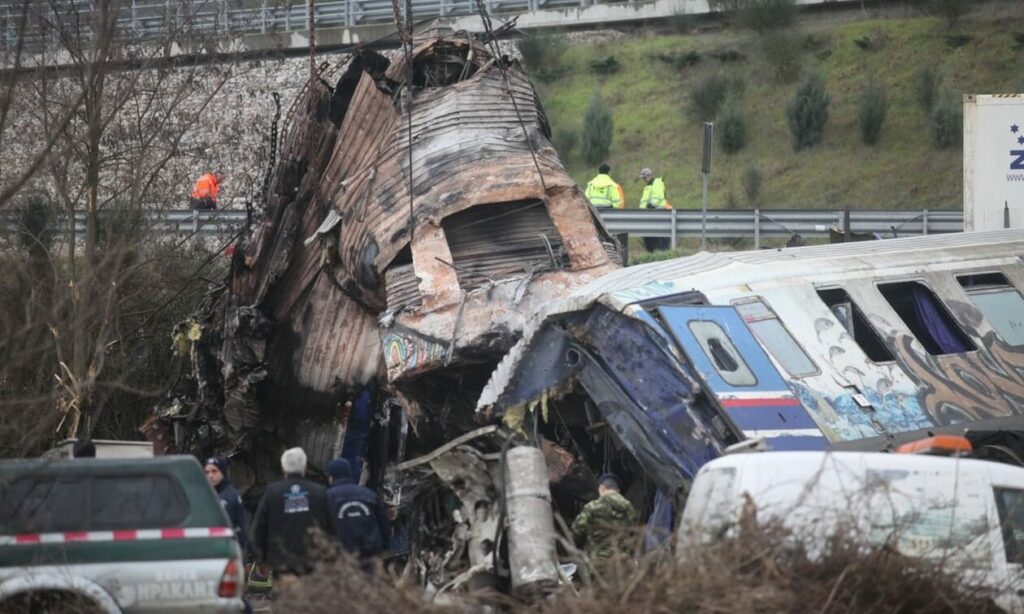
{"x":432,"y":262}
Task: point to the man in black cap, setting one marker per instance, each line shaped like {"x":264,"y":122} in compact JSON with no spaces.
{"x":358,"y":517}
{"x":216,"y":469}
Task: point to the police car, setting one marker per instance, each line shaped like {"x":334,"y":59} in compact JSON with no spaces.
{"x":115,"y":535}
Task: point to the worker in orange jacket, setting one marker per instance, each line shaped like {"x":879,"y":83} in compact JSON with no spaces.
{"x":204,"y":194}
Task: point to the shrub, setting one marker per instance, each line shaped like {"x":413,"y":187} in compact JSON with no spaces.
{"x":539,"y":52}
{"x":947,"y":120}
{"x":598,"y":128}
{"x":605,"y":66}
{"x":679,"y":59}
{"x":874,"y":105}
{"x":564,"y":141}
{"x":731,"y":127}
{"x":955,"y":41}
{"x":783,"y":53}
{"x":727,"y":55}
{"x":767,"y":15}
{"x":710,"y":92}
{"x":927,"y":82}
{"x":807,"y":112}
{"x":752,"y":180}
{"x":549,"y":74}
{"x":815,"y":43}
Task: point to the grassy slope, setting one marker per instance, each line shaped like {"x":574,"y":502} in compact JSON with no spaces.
{"x":648,"y":98}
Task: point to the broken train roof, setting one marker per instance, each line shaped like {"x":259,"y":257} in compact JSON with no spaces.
{"x":620,"y":290}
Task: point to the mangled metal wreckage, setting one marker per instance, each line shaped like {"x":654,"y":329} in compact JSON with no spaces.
{"x":407,"y":235}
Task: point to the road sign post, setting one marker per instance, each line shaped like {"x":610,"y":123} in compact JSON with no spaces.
{"x":705,"y":171}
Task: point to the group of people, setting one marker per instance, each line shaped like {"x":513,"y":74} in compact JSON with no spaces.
{"x":356,"y":517}
{"x":605,"y":193}
{"x":295,"y":506}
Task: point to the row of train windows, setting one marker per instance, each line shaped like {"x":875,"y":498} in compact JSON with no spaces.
{"x":918,"y":307}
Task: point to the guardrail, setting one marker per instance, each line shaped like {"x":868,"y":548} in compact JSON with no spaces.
{"x":149,"y":19}
{"x":757,"y":224}
{"x":754,"y":224}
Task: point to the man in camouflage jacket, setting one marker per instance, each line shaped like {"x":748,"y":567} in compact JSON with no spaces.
{"x":599,"y":526}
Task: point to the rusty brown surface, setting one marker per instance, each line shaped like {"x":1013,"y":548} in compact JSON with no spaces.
{"x":492,"y":229}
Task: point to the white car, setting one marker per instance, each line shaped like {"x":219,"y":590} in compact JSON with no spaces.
{"x":967,"y":514}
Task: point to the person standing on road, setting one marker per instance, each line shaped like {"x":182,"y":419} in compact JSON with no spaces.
{"x":289,"y":511}
{"x":603,"y":192}
{"x":601,"y":523}
{"x":358,"y":517}
{"x":216,"y":469}
{"x":654,"y":197}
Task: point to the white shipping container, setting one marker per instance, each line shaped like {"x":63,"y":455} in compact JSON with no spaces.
{"x":993,"y":161}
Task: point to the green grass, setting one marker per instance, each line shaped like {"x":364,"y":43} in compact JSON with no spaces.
{"x":648,"y":98}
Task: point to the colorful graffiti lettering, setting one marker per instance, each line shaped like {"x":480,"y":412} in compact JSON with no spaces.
{"x":405,"y":355}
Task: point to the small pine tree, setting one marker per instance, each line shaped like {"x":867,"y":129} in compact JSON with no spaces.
{"x":874,"y":105}
{"x":927,"y":82}
{"x":598,"y":128}
{"x":708,"y":95}
{"x":807,"y":112}
{"x":731,"y":127}
{"x":752,"y":180}
{"x":947,"y":120}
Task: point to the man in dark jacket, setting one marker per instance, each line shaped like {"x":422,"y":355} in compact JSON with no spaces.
{"x":290,"y":510}
{"x":217,"y":475}
{"x":358,"y":517}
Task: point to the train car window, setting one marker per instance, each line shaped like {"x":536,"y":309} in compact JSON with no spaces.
{"x":723,"y":354}
{"x":926,"y":317}
{"x":853,"y":320}
{"x":1000,"y":303}
{"x":770,"y":331}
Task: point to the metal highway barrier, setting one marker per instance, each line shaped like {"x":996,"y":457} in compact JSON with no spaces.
{"x":754,"y":224}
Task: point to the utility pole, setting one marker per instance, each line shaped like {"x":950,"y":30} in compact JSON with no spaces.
{"x":705,"y":171}
{"x":311,"y":28}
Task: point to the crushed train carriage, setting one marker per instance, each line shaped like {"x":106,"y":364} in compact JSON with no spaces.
{"x":430,"y":295}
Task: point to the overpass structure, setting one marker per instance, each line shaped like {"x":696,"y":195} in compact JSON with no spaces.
{"x":272,"y":24}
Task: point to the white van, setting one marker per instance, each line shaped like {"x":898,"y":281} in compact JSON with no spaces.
{"x":967,"y":514}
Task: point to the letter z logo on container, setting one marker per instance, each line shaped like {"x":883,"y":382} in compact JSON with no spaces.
{"x":1017,"y":155}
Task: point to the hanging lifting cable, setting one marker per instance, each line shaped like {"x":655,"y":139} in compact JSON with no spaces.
{"x":492,"y":42}
{"x":405,"y":34}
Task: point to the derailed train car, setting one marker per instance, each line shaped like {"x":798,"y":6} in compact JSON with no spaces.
{"x":859,"y":346}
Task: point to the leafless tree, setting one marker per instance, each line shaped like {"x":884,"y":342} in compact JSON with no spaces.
{"x":94,"y":123}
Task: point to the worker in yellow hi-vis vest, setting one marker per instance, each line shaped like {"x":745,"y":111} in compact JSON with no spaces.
{"x":654,"y":192}
{"x":603,"y":192}
{"x":654,"y":197}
